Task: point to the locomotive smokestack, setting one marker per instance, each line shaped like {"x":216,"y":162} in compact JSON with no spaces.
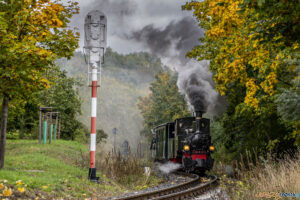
{"x":198,"y":114}
{"x":196,"y":99}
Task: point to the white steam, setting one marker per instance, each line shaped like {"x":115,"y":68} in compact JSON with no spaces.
{"x":169,"y":167}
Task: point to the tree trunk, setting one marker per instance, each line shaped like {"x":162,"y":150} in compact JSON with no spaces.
{"x":3,"y":130}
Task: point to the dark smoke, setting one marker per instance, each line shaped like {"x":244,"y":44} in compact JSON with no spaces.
{"x":172,"y":41}
{"x":195,"y":81}
{"x":194,"y":78}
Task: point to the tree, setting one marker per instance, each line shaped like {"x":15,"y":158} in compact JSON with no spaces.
{"x":164,"y":104}
{"x":63,"y":96}
{"x":242,"y":49}
{"x":252,"y":46}
{"x":32,"y":35}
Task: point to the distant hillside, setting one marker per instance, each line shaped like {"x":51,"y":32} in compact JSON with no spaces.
{"x":124,"y":78}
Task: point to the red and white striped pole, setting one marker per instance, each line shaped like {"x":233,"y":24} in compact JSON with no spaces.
{"x":92,"y":170}
{"x":95,"y":45}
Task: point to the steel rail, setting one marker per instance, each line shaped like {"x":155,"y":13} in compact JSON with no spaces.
{"x":179,"y":191}
{"x":193,"y":191}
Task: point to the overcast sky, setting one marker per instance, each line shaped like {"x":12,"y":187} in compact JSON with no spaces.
{"x":128,"y":16}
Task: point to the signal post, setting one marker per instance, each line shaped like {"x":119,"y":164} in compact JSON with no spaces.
{"x":95,"y":29}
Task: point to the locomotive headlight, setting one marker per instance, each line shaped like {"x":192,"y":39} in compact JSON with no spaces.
{"x":211,"y":148}
{"x":186,"y":147}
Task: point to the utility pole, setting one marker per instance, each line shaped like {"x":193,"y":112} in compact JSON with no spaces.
{"x":56,"y":124}
{"x":59,"y":126}
{"x":114,"y":131}
{"x":40,"y":126}
{"x":51,"y":128}
{"x":95,"y":28}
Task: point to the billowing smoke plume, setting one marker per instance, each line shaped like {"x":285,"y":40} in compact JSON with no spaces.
{"x":195,"y":81}
{"x":173,"y":41}
{"x":194,"y":78}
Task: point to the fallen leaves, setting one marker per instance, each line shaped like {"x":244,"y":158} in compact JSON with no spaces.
{"x":7,"y":192}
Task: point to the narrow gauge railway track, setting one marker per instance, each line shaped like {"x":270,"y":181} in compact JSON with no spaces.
{"x":184,"y":190}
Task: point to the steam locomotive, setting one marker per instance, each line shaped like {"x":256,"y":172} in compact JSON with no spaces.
{"x":185,"y":141}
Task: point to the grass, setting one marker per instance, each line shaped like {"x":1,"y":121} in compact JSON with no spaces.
{"x":265,"y":179}
{"x":53,"y":171}
{"x":127,"y":170}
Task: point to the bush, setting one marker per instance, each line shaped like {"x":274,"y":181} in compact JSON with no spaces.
{"x":80,"y":135}
{"x":13,"y":135}
{"x":126,"y":170}
{"x":101,"y":136}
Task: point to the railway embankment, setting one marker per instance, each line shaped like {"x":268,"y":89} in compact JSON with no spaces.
{"x":43,"y":171}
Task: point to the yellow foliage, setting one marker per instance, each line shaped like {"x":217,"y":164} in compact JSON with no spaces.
{"x":7,"y":192}
{"x":34,"y":38}
{"x":22,"y":189}
{"x":19,"y":182}
{"x":1,"y":186}
{"x":240,"y":53}
{"x":251,"y":91}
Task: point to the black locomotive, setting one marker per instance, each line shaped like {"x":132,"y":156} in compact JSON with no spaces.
{"x":186,"y":141}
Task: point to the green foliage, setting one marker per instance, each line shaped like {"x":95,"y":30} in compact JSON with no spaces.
{"x":101,"y":136}
{"x":217,"y":132}
{"x":164,"y":104}
{"x":13,"y":135}
{"x":288,"y":101}
{"x":141,"y":61}
{"x":289,"y":108}
{"x":288,"y":104}
{"x":284,"y":13}
{"x":63,"y":97}
{"x":81,"y":133}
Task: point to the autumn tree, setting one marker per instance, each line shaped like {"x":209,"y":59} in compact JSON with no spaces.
{"x":252,"y":46}
{"x":33,"y":34}
{"x":164,"y":103}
